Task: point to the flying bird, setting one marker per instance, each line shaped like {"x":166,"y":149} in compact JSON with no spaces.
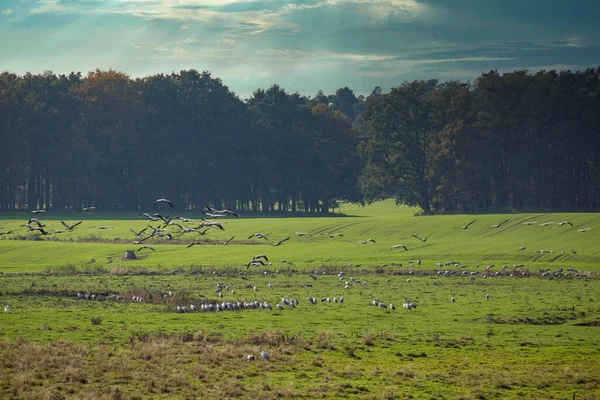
{"x":280,"y":242}
{"x":146,"y":247}
{"x":221,"y":213}
{"x":31,"y":228}
{"x":398,"y":246}
{"x":465,"y":226}
{"x":150,"y":217}
{"x":37,"y":211}
{"x":188,"y":219}
{"x":70,"y":227}
{"x":163,"y":201}
{"x":366,"y":241}
{"x":142,"y":240}
{"x":263,"y":256}
{"x":255,"y":263}
{"x":501,"y":223}
{"x":138,"y":233}
{"x":37,"y":221}
{"x":332,"y":235}
{"x":88,"y":209}
{"x":225,"y":243}
{"x":258,"y":235}
{"x":213,"y":224}
{"x":423,"y":239}
{"x":564,"y":223}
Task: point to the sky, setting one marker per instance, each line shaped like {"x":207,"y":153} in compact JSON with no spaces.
{"x":303,"y":46}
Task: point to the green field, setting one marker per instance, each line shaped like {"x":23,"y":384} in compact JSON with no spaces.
{"x":535,"y":336}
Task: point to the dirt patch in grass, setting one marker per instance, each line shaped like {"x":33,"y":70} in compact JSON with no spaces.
{"x":547,"y":318}
{"x":590,"y":323}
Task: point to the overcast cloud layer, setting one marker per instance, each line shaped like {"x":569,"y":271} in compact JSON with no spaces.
{"x":304,"y":45}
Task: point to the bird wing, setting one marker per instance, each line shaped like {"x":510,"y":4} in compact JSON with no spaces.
{"x":229,"y":240}
{"x":421,"y":239}
{"x":65,"y":224}
{"x":146,"y":238}
{"x":74,"y":225}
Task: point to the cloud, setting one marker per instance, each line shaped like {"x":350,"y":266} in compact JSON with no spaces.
{"x":227,"y":41}
{"x":7,"y":11}
{"x":295,"y":55}
{"x":305,"y":45}
{"x":50,"y":6}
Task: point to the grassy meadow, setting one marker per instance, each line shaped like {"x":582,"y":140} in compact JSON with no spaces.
{"x":518,"y":328}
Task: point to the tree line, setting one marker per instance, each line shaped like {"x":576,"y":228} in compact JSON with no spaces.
{"x":506,"y":141}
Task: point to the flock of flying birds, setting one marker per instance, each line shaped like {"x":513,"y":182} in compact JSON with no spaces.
{"x":170,"y":228}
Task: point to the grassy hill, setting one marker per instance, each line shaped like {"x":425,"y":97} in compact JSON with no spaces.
{"x":383,"y":222}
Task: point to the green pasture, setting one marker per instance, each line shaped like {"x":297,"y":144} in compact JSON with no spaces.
{"x":512,"y":335}
{"x":383,"y":222}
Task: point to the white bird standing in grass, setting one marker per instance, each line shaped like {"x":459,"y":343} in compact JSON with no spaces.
{"x":264,"y":355}
{"x":6,"y":308}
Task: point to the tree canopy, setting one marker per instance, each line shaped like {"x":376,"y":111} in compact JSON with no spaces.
{"x":506,"y":141}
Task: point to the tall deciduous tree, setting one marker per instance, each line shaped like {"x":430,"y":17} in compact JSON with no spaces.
{"x":400,"y":127}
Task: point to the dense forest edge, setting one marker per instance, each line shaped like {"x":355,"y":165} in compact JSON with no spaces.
{"x":511,"y":141}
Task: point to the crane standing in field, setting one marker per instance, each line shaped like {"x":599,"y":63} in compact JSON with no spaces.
{"x":264,"y":354}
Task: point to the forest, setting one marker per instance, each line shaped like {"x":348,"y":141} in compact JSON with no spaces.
{"x":506,"y":141}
